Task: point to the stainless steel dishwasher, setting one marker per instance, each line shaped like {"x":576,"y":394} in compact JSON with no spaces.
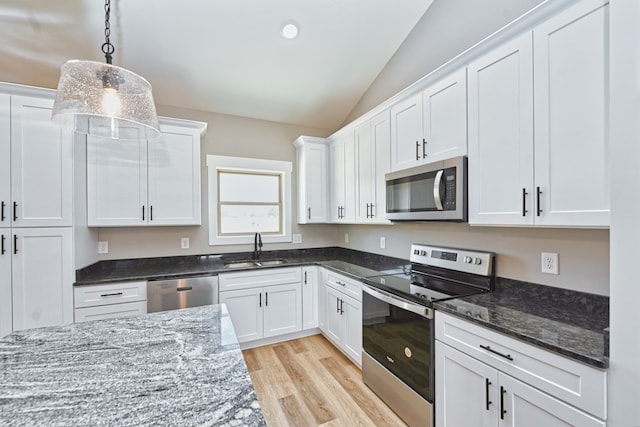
{"x":172,"y":294}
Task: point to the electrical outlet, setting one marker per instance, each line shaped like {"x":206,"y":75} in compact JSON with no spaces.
{"x":103,"y":247}
{"x":184,"y":243}
{"x":383,"y":242}
{"x":297,"y":238}
{"x":549,"y":262}
{"x":346,"y":237}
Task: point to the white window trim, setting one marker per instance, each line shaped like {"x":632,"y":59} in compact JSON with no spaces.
{"x":244,"y":163}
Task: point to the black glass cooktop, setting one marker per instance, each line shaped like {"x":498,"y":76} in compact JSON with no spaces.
{"x":421,"y":289}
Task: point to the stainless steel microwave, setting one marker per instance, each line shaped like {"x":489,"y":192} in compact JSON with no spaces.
{"x":433,"y":192}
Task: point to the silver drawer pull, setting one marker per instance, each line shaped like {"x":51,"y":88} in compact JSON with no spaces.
{"x":506,"y":356}
{"x":116,"y":294}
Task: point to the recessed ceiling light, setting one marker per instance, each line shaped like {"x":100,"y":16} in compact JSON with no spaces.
{"x":289,"y":30}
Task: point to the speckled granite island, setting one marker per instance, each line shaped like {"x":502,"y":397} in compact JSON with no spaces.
{"x":181,"y":367}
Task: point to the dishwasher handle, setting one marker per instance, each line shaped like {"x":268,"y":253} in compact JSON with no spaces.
{"x":184,"y":288}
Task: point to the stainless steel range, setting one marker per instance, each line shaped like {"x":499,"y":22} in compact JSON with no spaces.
{"x":397,"y":324}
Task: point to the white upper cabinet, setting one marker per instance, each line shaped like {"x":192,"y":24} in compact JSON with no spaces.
{"x":155,"y":182}
{"x":5,"y":162}
{"x":342,"y":178}
{"x":372,"y":152}
{"x":538,"y":144}
{"x":36,"y":181}
{"x":432,"y":125}
{"x":313,"y":181}
{"x":501,"y":135}
{"x":571,"y":90}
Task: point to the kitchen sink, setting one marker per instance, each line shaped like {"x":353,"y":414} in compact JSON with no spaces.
{"x":252,"y":263}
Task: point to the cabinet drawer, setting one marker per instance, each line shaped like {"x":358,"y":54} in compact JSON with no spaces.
{"x":345,"y":284}
{"x":573,"y":382}
{"x":110,"y":311}
{"x":259,"y":278}
{"x":112,"y":293}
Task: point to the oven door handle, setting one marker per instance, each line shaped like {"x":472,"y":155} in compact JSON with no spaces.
{"x":398,"y":302}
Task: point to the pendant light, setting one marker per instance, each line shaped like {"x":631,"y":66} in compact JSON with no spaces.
{"x":103,"y":100}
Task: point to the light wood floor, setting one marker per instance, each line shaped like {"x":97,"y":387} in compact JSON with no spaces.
{"x":308,"y":382}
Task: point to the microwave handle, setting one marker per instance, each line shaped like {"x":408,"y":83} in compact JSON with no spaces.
{"x":436,"y":190}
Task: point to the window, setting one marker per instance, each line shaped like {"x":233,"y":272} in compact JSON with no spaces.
{"x":248,"y":196}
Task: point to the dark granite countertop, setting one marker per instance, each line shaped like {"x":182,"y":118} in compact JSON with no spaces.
{"x":179,"y":367}
{"x":356,"y":264}
{"x":566,"y":322}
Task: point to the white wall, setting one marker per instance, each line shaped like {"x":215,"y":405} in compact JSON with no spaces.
{"x":624,"y":380}
{"x":583,"y":254}
{"x":228,"y":136}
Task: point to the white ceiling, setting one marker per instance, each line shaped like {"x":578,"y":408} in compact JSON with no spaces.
{"x":224,"y":56}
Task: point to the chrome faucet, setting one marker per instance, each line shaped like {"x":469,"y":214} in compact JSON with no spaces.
{"x":257,"y":246}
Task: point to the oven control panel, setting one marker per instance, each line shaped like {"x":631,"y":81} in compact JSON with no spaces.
{"x":455,"y":259}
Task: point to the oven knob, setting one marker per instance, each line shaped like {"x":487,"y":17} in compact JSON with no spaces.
{"x":467,"y":260}
{"x":416,"y":251}
{"x":477,"y":261}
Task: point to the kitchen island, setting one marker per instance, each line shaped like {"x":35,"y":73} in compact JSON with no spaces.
{"x":180,"y":367}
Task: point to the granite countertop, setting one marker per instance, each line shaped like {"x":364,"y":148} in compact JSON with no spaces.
{"x":567,"y":322}
{"x":356,"y":264}
{"x":570,"y":323}
{"x":180,"y":367}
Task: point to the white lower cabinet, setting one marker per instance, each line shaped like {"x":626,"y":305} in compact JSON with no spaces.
{"x":525,"y":386}
{"x":263,"y":311}
{"x":109,"y":301}
{"x":343,"y":315}
{"x":310,"y":277}
{"x":36,"y":277}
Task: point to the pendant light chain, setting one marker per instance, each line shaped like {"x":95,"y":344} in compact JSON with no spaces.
{"x":107,"y":47}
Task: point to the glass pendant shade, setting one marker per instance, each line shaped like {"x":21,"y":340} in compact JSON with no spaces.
{"x":104,"y":100}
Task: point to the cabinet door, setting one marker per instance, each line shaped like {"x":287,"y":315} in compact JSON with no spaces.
{"x":571,"y":116}
{"x":245,"y":308}
{"x":381,"y":140}
{"x":116,"y":182}
{"x":312,"y":181}
{"x":42,"y":270}
{"x":406,"y":133}
{"x":466,"y":390}
{"x":501,"y":135}
{"x":322,"y":300}
{"x":337,"y":179}
{"x":526,"y":406}
{"x":310,"y":297}
{"x":352,"y":317}
{"x":6,"y":317}
{"x":366,"y":172}
{"x":349,"y":211}
{"x":174,"y":177}
{"x":112,"y":311}
{"x":334,"y":322}
{"x":445,"y":118}
{"x":5,"y":160}
{"x":41,"y":166}
{"x":283,"y":309}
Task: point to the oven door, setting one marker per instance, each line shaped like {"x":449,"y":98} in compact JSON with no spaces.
{"x":398,"y":334}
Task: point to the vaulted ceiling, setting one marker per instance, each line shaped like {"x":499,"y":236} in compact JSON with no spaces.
{"x":225,"y":56}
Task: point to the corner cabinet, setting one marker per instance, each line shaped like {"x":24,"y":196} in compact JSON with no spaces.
{"x":146,"y":183}
{"x":486,"y":379}
{"x":313,"y":179}
{"x":431,"y":125}
{"x":538,"y":108}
